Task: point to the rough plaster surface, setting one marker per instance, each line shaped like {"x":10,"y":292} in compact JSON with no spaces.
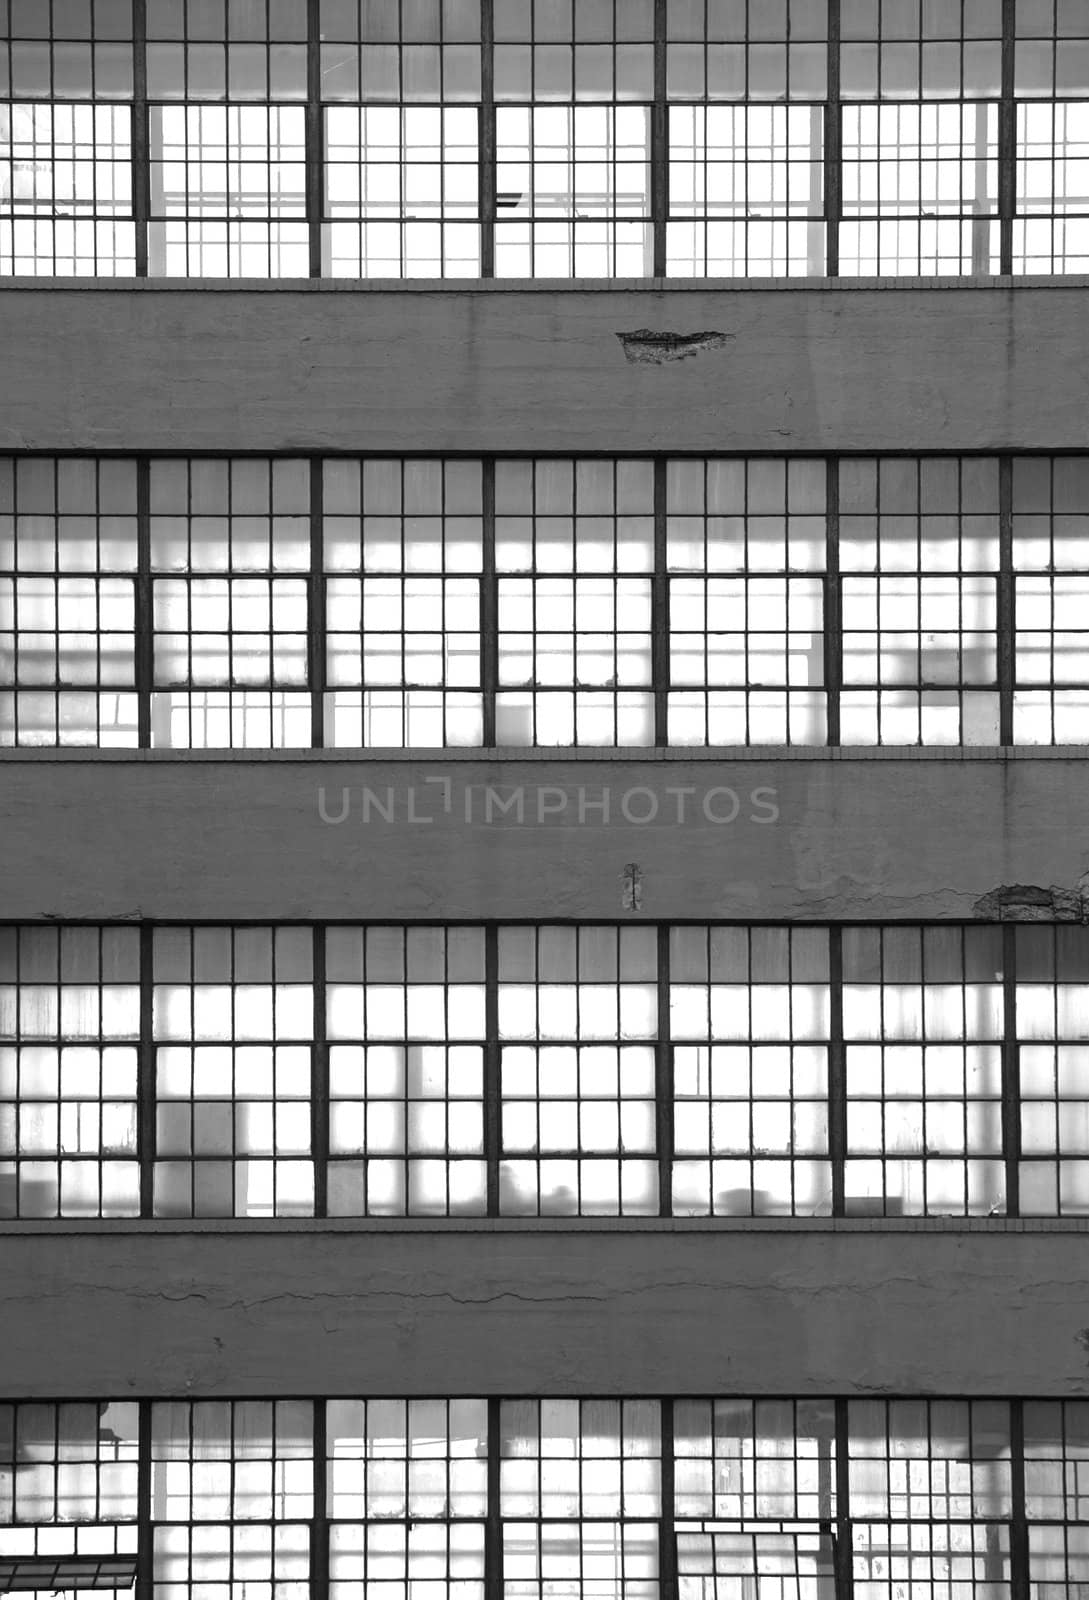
{"x":559,"y":1313}
{"x":186,"y":839}
{"x":799,"y":369}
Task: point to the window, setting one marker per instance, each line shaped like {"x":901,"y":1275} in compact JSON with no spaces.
{"x":66,"y":190}
{"x":403,"y":557}
{"x":755,"y":1497}
{"x":1051,"y":230}
{"x":573,"y":188}
{"x":405,"y":1022}
{"x":401,"y":52}
{"x":407,"y":1496}
{"x":577,"y":1020}
{"x":402,"y":192}
{"x":1051,"y":588}
{"x":69,"y":1022}
{"x":232,"y":1486}
{"x":574,"y":550}
{"x":56,"y":50}
{"x":67,"y":602}
{"x":230,"y":549}
{"x":226,"y":50}
{"x":754,"y":50}
{"x":228,"y":192}
{"x":563,"y":50}
{"x":746,"y":550}
{"x":919,"y":557}
{"x":233,"y":1017}
{"x":579,"y":1489}
{"x":943,"y":50}
{"x":1051,"y":49}
{"x":923,"y":1025}
{"x":746,"y":191}
{"x":749,"y":1022}
{"x":1056,"y":1453}
{"x":1052,"y":1022}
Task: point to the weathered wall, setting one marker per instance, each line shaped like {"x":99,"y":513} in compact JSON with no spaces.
{"x":398,"y":1311}
{"x":210,"y":838}
{"x":495,"y":368}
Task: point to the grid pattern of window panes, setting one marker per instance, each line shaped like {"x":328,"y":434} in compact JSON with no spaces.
{"x":751,"y":50}
{"x":1051,"y":228}
{"x":574,"y":550}
{"x":563,"y":50}
{"x":929,"y":1496}
{"x":1057,"y":1495}
{"x":66,"y":190}
{"x":1051,"y":50}
{"x":230,"y":550}
{"x":67,"y":617}
{"x":923,"y":1020}
{"x":226,"y":49}
{"x":579,"y":1487}
{"x":402,"y":192}
{"x":920,"y":189}
{"x":936,"y":50}
{"x":1051,"y":589}
{"x":405,"y":1021}
{"x":68,"y":1493}
{"x":746,"y":191}
{"x":573,"y":191}
{"x":66,"y":50}
{"x":403,"y":558}
{"x":746,"y":544}
{"x":749,"y":1021}
{"x":232,"y":1487}
{"x":919,"y":557}
{"x":228,"y":192}
{"x":754,"y":1497}
{"x":407,"y":1496}
{"x":1052,"y":1024}
{"x":577,"y":1021}
{"x":233,"y":1017}
{"x":403,"y":51}
{"x":69,"y":1022}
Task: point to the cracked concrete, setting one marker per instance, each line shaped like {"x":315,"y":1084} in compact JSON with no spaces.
{"x":652,"y":349}
{"x":1022,"y":902}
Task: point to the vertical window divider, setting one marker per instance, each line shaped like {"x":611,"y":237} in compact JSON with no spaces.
{"x":319,"y":1083}
{"x":1006,"y":620}
{"x":315,"y":621}
{"x":833,"y":142}
{"x":844,"y":1571}
{"x":659,"y":144}
{"x":1007,"y":140}
{"x":493,"y":1525}
{"x":144,"y":608}
{"x":314,"y":164}
{"x":668,"y":1577}
{"x":837,"y":1074}
{"x":491,"y":1069}
{"x":659,"y":601}
{"x":145,"y":1074}
{"x":141,"y":166}
{"x":1011,"y":1073}
{"x":489,"y":605}
{"x":833,"y":605}
{"x":145,"y":1552}
{"x":1020,"y":1587}
{"x":663,"y":1082}
{"x":487,"y":178}
{"x":319,"y":1522}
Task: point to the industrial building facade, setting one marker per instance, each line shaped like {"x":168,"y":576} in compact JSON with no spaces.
{"x":544,"y":710}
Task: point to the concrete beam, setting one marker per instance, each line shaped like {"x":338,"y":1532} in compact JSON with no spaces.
{"x":398,"y":1311}
{"x":495,"y":368}
{"x":407,"y":839}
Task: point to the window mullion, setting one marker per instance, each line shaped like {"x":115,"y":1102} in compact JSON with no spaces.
{"x":833,"y":143}
{"x":660,"y":608}
{"x":1020,"y":1587}
{"x":659,"y":144}
{"x":833,"y":607}
{"x":1006,"y":605}
{"x":493,"y":1528}
{"x":492,"y":1108}
{"x":837,"y":1074}
{"x":1011,"y":1087}
{"x":141,"y":173}
{"x":489,"y":606}
{"x":663,"y":1055}
{"x":487,"y":172}
{"x":668,"y":1577}
{"x":319,"y":1081}
{"x":844,"y":1565}
{"x":319,"y":1522}
{"x":145,"y":1550}
{"x":1007,"y":141}
{"x":145,"y":611}
{"x":316,"y":631}
{"x":314,"y":163}
{"x":145,"y":1074}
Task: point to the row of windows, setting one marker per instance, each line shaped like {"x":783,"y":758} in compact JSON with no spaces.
{"x":420,"y":602}
{"x":541,"y":49}
{"x":349,"y":1071}
{"x":708,"y":1499}
{"x":403,"y":192}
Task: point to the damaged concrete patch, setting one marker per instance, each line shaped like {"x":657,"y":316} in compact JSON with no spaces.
{"x":645,"y":346}
{"x":1023,"y":902}
{"x":631,"y":893}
